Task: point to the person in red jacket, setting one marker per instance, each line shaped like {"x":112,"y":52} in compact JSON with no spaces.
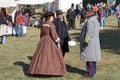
{"x":20,"y":24}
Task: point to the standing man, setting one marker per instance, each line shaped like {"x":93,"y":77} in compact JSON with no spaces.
{"x":16,"y":14}
{"x":61,"y":28}
{"x":20,"y":24}
{"x":91,"y":53}
{"x":71,"y":19}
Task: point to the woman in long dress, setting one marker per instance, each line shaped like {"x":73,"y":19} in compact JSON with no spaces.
{"x":48,"y":59}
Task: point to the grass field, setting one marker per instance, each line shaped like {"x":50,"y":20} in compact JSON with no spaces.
{"x":15,"y":55}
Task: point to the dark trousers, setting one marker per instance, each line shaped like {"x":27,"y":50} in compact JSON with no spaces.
{"x":91,"y":68}
{"x":72,"y":24}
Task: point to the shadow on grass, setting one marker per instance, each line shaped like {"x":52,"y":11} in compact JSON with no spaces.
{"x":26,"y":67}
{"x":25,"y":70}
{"x":109,"y":40}
{"x":76,"y":36}
{"x":69,"y":68}
{"x":75,"y":70}
{"x":112,"y":26}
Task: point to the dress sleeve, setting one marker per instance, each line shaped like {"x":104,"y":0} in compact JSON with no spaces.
{"x":53,"y":33}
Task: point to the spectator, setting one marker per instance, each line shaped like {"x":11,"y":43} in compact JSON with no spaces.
{"x":101,"y":18}
{"x":20,"y":24}
{"x":71,"y":19}
{"x":10,"y":22}
{"x":26,"y":18}
{"x":118,"y":17}
{"x":16,"y":14}
{"x":77,"y":11}
{"x":83,"y":15}
{"x":3,"y":20}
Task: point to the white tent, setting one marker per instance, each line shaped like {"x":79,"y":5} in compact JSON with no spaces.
{"x":64,"y":5}
{"x":33,"y":2}
{"x":8,"y":3}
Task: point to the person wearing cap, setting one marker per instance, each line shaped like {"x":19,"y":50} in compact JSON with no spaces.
{"x":92,"y":52}
{"x":48,"y":59}
{"x":62,"y":31}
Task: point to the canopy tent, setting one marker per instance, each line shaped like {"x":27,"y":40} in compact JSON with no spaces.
{"x":33,"y":2}
{"x":8,"y":3}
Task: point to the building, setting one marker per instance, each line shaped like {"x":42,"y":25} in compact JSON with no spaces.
{"x":64,"y":5}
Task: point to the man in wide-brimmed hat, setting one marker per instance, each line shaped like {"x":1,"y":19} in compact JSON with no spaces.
{"x":59,"y":12}
{"x":92,"y":52}
{"x":90,"y":12}
{"x":61,"y":28}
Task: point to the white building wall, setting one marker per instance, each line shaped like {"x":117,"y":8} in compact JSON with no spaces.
{"x":64,"y":5}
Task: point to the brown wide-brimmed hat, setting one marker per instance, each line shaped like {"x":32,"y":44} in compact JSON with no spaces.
{"x":47,"y":14}
{"x":59,"y":12}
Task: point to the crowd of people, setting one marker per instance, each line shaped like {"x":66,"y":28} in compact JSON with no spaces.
{"x":102,"y":11}
{"x":20,"y":20}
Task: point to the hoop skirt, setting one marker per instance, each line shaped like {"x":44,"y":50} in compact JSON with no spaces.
{"x":47,"y":59}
